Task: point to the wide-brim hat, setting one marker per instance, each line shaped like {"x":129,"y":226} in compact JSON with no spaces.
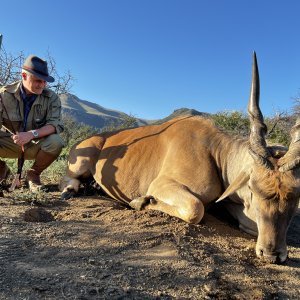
{"x":38,"y":67}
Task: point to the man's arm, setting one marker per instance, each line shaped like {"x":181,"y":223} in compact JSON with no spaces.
{"x":22,"y":138}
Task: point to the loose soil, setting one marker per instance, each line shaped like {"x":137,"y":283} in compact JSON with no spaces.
{"x":94,"y":248}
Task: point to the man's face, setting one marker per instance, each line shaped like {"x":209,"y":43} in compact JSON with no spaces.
{"x":32,"y":84}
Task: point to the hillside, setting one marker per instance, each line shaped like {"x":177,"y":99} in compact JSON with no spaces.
{"x":182,"y":112}
{"x":93,"y":114}
{"x":98,"y":116}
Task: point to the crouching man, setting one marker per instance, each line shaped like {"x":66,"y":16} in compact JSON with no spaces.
{"x":30,"y":117}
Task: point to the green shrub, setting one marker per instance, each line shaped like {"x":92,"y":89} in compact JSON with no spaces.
{"x":233,"y":122}
{"x":237,"y":123}
{"x":279,"y":127}
{"x":40,"y":197}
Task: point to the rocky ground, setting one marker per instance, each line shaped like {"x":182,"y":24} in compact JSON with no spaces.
{"x":92,"y":248}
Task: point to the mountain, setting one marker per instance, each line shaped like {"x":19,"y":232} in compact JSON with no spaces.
{"x":93,"y":114}
{"x":98,"y":116}
{"x":182,"y":112}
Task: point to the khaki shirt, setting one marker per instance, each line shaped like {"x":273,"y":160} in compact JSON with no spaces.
{"x":46,"y":110}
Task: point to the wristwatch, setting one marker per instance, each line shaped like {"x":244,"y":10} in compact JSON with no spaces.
{"x":35,"y":134}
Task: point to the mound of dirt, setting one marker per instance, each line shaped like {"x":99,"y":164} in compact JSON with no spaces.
{"x":98,"y":249}
{"x":37,"y":214}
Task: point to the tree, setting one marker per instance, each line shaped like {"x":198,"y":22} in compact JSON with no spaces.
{"x":234,"y":122}
{"x":296,"y":107}
{"x":279,"y":127}
{"x":63,"y":82}
{"x":237,"y":123}
{"x":11,"y":65}
{"x":75,"y":132}
{"x":127,"y":121}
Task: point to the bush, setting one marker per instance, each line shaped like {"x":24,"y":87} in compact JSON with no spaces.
{"x":237,"y":123}
{"x":279,"y":128}
{"x":73,"y":133}
{"x":233,"y":122}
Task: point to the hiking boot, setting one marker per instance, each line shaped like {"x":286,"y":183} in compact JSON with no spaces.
{"x":34,"y":181}
{"x":42,"y":161}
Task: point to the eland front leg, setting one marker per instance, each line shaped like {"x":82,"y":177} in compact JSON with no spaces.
{"x":169,"y":196}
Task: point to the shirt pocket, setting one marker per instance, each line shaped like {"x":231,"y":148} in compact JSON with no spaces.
{"x":39,"y":116}
{"x":11,"y":110}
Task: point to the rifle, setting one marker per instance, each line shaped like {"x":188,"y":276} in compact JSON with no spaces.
{"x":17,"y":179}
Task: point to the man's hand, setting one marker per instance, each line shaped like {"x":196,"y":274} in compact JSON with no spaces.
{"x":22,"y":138}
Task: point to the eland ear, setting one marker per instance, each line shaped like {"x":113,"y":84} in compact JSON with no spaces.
{"x":239,"y":182}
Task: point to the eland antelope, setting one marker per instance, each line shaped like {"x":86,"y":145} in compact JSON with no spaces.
{"x":182,"y":165}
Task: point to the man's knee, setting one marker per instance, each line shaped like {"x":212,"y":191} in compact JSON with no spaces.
{"x":8,"y":149}
{"x":52,"y":144}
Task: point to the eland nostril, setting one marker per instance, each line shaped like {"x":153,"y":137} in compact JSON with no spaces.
{"x":259,"y":252}
{"x":273,"y":257}
{"x":67,"y":195}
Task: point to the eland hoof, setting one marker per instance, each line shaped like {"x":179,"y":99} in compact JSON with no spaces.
{"x":141,"y":202}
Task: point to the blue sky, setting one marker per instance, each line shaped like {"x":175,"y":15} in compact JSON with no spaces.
{"x":150,"y":57}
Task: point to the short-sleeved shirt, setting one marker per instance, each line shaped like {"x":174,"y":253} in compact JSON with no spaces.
{"x":45,"y":110}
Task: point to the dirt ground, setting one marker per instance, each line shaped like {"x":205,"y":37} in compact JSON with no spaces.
{"x":94,"y":248}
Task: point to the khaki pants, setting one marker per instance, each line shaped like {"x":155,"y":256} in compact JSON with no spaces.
{"x":51,"y":144}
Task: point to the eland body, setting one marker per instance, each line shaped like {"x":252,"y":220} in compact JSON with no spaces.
{"x":184,"y":164}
